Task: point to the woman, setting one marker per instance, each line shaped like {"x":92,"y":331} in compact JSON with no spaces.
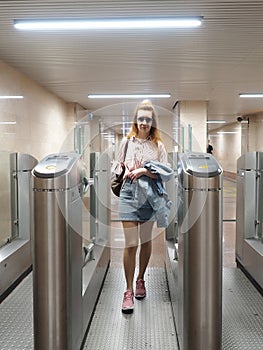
{"x":135,"y":211}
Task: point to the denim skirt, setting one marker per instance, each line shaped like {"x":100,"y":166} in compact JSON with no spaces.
{"x":132,"y":207}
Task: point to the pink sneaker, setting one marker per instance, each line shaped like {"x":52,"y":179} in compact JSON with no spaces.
{"x":140,"y":292}
{"x":128,"y":303}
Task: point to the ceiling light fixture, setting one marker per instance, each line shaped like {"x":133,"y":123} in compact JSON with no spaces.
{"x":228,"y":132}
{"x":216,"y":121}
{"x":7,"y":123}
{"x":129,"y":96}
{"x":2,"y":97}
{"x":114,"y":23}
{"x":251,"y":95}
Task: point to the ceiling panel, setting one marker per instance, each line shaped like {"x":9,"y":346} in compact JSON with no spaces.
{"x":214,"y":62}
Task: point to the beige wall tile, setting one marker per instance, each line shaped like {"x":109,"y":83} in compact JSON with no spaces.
{"x":43,"y":120}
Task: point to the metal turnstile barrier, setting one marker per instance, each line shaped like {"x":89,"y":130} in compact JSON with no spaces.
{"x":15,"y":255}
{"x":249,"y":227}
{"x":197,"y":265}
{"x":66,"y":278}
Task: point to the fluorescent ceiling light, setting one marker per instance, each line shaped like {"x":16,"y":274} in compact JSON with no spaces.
{"x":129,"y":96}
{"x":251,"y":95}
{"x":114,"y":23}
{"x":10,"y":97}
{"x":7,"y":123}
{"x":228,"y":132}
{"x":216,"y":121}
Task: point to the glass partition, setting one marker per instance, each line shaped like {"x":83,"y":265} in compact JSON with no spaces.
{"x":186,"y":138}
{"x":82,"y":146}
{"x":5,"y":199}
{"x":100,"y":132}
{"x":15,"y":195}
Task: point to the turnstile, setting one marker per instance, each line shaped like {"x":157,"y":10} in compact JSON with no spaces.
{"x":249,"y":227}
{"x":194,"y":265}
{"x":65,"y":286}
{"x":15,"y":255}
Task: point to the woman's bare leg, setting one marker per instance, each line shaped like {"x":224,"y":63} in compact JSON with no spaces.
{"x":129,"y":255}
{"x":146,"y":247}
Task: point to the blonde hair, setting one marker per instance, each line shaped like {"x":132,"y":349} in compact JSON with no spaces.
{"x":146,"y":105}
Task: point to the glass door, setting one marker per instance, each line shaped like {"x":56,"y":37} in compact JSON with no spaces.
{"x":5,"y":199}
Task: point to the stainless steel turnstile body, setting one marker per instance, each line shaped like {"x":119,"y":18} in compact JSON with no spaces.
{"x":195,"y":271}
{"x":249,"y":227}
{"x":57,"y":288}
{"x":65,"y":285}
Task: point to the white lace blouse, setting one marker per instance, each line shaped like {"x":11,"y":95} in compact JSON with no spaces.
{"x":140,"y":151}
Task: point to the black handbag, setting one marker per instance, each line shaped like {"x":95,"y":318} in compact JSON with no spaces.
{"x":117,"y":182}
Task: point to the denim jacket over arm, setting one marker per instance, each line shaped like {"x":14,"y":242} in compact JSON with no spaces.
{"x":154,"y":192}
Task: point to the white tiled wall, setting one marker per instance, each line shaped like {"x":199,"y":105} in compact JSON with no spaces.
{"x":43,"y":120}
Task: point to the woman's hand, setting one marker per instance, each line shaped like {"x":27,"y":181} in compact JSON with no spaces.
{"x":136,"y":173}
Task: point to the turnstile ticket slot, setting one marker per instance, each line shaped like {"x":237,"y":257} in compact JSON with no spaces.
{"x":55,"y":165}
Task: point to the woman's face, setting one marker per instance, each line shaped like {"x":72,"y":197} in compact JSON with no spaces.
{"x":144,"y":121}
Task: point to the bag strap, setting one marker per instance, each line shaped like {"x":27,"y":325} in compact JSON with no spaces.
{"x":125,"y":149}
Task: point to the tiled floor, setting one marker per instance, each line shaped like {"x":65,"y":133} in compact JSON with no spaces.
{"x":157,"y":259}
